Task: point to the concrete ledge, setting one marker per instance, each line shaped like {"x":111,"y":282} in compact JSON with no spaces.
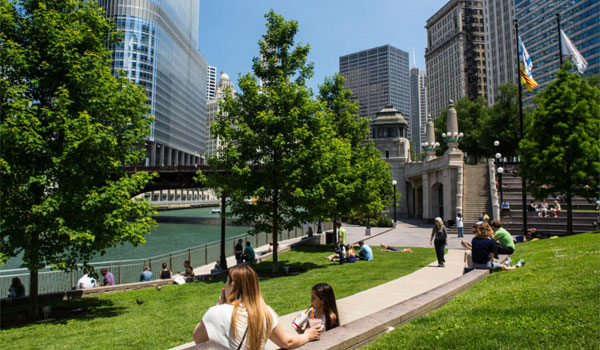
{"x":361,"y":332}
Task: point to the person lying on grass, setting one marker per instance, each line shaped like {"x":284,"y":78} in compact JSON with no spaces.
{"x":387,"y":248}
{"x":483,"y":249}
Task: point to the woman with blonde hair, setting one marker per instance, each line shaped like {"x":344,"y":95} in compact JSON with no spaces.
{"x":439,"y":236}
{"x":242,"y":319}
{"x":484,"y":248}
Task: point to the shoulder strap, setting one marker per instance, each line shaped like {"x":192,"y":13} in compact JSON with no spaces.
{"x":243,"y":338}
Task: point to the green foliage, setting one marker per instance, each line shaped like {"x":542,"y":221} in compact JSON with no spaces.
{"x":482,"y":125}
{"x":378,"y":220}
{"x":359,"y":179}
{"x":303,"y":159}
{"x":550,"y":303}
{"x":561,"y":149}
{"x":470,"y":116}
{"x":180,"y":308}
{"x":68,"y":127}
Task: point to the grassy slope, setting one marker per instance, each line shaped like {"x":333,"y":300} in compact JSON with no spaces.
{"x":168,"y":316}
{"x":553,"y":302}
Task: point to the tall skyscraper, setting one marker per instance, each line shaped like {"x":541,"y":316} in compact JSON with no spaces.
{"x":378,"y":77}
{"x":213,"y":143}
{"x":160,"y":52}
{"x":418,"y":107}
{"x":455,"y":54}
{"x":500,"y":46}
{"x":211,"y":82}
{"x":538,"y":30}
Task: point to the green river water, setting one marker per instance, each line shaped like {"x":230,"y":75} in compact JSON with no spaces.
{"x":167,"y":237}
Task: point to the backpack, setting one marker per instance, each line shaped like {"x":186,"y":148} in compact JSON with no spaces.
{"x":440,"y":234}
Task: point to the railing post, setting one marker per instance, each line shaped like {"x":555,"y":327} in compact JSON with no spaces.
{"x":150,"y":263}
{"x":170,"y":261}
{"x":72,"y":279}
{"x":288,"y":231}
{"x":256,"y":246}
{"x":205,"y":254}
{"x":120,"y":274}
{"x":111,"y":271}
{"x":190,"y":256}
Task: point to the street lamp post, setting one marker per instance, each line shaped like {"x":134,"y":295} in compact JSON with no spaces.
{"x":499,"y":170}
{"x":394,"y":183}
{"x":223,"y":258}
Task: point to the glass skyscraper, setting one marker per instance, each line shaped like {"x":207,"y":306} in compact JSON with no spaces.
{"x":378,"y":77}
{"x":580,"y":20}
{"x":160,"y":52}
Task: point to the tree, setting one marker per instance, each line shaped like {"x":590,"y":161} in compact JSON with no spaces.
{"x":272,"y":136}
{"x":502,"y":123}
{"x":561,"y":149}
{"x":358,"y":180}
{"x":68,"y":127}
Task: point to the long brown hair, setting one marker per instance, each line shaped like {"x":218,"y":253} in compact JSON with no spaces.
{"x":325,"y":293}
{"x":484,"y":231}
{"x":246,"y":291}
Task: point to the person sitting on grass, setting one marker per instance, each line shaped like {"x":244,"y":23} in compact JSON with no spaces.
{"x":506,"y":244}
{"x":483,"y":250}
{"x":365,"y":252}
{"x":189,"y":271}
{"x":349,"y":259}
{"x":387,"y":248}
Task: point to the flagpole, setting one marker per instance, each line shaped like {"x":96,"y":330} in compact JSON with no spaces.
{"x":560,"y":59}
{"x":523,"y":181}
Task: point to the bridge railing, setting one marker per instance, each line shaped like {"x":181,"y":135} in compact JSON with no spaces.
{"x":128,"y":271}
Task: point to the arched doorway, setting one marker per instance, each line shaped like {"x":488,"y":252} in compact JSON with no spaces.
{"x":437,"y":200}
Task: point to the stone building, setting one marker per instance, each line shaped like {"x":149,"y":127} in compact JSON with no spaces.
{"x":455,"y":54}
{"x":429,"y":188}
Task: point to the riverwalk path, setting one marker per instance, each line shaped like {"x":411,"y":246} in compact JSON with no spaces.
{"x":376,"y":299}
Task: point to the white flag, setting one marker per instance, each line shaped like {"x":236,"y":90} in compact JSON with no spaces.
{"x":567,"y":48}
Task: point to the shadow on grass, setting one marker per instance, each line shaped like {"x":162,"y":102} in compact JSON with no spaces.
{"x":61,"y":311}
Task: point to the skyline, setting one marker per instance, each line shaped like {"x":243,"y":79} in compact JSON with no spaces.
{"x":229,"y":31}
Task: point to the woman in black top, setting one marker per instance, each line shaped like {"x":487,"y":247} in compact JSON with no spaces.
{"x":165,"y":273}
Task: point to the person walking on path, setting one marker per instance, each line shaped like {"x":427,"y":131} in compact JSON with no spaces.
{"x":242,"y":319}
{"x":459,"y":224}
{"x":439,"y":237}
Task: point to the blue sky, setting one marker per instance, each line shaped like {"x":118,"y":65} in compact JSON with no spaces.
{"x":229,"y":30}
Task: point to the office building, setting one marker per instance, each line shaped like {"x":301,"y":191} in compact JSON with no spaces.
{"x":580,"y":20}
{"x":418,"y":107}
{"x":213,"y":143}
{"x":500,"y":46}
{"x":455,"y":54}
{"x":160,"y":52}
{"x":378,"y":77}
{"x":211,"y":82}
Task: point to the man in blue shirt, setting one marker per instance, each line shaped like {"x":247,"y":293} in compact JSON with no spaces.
{"x":365,"y":252}
{"x":146,"y":275}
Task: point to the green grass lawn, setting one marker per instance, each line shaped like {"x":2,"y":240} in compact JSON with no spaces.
{"x":168,"y":316}
{"x":553,"y":302}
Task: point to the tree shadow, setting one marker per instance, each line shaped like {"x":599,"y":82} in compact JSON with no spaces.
{"x":16,"y":316}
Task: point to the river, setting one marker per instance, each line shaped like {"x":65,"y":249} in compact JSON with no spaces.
{"x":167,"y":237}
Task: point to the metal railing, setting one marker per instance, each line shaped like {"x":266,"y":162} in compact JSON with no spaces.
{"x":128,"y":271}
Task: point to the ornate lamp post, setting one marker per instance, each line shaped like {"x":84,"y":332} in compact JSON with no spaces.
{"x":452,"y":137}
{"x":394,"y":183}
{"x":499,"y":170}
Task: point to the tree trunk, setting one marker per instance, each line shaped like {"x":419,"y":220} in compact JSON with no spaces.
{"x":275,"y":228}
{"x":33,"y":293}
{"x":335,"y":236}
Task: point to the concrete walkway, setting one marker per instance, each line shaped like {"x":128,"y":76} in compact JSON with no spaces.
{"x":376,"y":299}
